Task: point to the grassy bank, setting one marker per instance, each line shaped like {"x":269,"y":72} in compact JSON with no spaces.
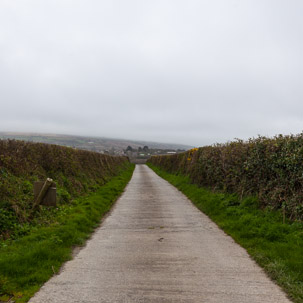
{"x":28,"y":262}
{"x":273,"y":241}
{"x":76,"y":172}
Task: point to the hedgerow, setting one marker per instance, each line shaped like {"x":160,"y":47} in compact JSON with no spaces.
{"x":269,"y":168}
{"x":21,"y":163}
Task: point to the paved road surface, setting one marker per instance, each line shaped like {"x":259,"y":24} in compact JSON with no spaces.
{"x":156,"y":246}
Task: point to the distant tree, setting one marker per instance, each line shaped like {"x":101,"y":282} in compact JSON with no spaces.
{"x":145,"y":148}
{"x":140,"y":148}
{"x":129,"y":148}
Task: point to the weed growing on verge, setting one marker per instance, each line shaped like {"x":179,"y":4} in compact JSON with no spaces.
{"x":276,"y":246}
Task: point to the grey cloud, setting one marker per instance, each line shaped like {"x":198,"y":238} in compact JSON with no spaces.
{"x":195,"y":72}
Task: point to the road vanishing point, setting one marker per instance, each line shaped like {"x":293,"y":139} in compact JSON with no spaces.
{"x":156,"y":246}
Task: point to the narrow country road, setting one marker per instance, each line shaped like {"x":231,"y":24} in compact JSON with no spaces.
{"x":156,"y":246}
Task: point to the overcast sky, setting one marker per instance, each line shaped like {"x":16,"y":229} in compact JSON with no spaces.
{"x":193,"y":71}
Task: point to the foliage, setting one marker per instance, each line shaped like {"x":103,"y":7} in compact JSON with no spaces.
{"x":269,"y":168}
{"x":29,"y":262}
{"x":75,"y":171}
{"x":276,"y":246}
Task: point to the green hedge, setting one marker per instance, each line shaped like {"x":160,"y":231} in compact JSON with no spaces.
{"x":76,"y":172}
{"x":269,"y":168}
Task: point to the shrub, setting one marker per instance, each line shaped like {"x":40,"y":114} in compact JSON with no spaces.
{"x":74,"y":171}
{"x":269,"y":168}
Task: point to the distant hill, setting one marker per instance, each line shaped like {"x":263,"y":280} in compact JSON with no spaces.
{"x":98,"y":144}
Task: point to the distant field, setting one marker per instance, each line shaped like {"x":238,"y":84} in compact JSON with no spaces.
{"x":88,"y":143}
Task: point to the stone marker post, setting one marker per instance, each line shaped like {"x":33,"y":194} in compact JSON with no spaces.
{"x":45,"y":193}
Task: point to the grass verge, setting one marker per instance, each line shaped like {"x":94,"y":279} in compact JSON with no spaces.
{"x":276,"y":246}
{"x":30,"y":261}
